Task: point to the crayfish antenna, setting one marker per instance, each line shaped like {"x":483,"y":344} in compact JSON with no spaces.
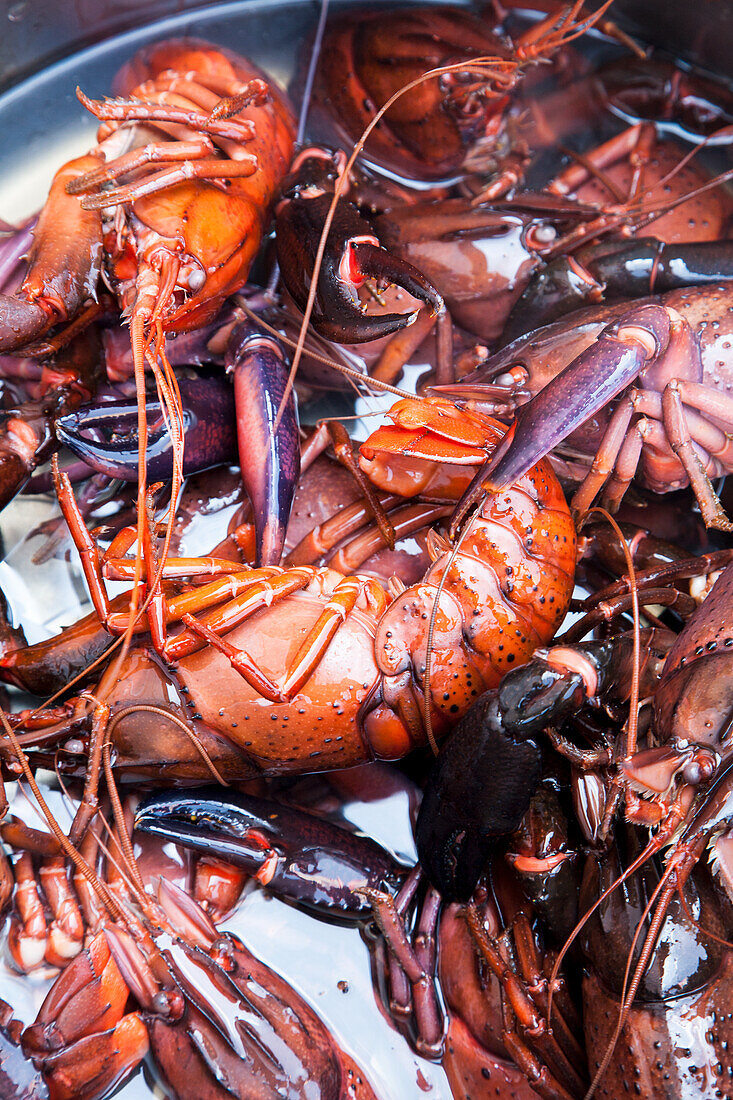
{"x":556,"y":31}
{"x":312,"y":66}
{"x":153,"y":291}
{"x":652,"y":847}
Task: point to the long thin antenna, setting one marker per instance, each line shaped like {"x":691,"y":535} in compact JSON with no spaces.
{"x":307,"y":90}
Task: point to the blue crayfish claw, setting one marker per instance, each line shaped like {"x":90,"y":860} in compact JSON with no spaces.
{"x":104,"y":434}
{"x":302,"y":858}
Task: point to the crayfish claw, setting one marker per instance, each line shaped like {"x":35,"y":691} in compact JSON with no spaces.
{"x":352,"y":255}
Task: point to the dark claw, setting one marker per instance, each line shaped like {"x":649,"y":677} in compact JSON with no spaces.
{"x":479,"y":789}
{"x":487,"y":771}
{"x":352,"y":255}
{"x":630,"y":269}
{"x":269,"y":459}
{"x":104,"y":435}
{"x":303,"y":858}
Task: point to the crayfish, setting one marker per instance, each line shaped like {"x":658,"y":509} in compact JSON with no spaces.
{"x":293,"y":602}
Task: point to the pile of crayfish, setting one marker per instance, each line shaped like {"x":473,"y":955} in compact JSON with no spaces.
{"x":508,"y":233}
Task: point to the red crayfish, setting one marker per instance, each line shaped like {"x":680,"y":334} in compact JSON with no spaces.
{"x":301,"y":665}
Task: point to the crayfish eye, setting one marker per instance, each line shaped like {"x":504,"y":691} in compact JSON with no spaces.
{"x":169,"y":1003}
{"x":537,"y":235}
{"x":692,"y":773}
{"x":517,"y":376}
{"x":222,"y":952}
{"x":161,"y":1003}
{"x":700,"y":768}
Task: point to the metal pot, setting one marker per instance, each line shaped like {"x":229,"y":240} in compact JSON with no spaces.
{"x":38,"y":32}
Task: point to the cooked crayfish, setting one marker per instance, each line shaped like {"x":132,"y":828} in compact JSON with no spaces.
{"x":322,"y":670}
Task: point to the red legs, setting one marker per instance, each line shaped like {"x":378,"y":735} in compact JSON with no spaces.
{"x":145,"y":309}
{"x":156,"y":152}
{"x":28,"y":934}
{"x":333,"y":432}
{"x":626,"y":465}
{"x":538,"y":986}
{"x":675,"y":421}
{"x":123,"y":569}
{"x":256,"y":91}
{"x":639,"y":157}
{"x":399,"y":990}
{"x":607,"y":610}
{"x":407,"y":520}
{"x":31,"y":939}
{"x":250,"y":592}
{"x":85,"y":545}
{"x":213,"y":93}
{"x":584,"y":760}
{"x":403,"y":344}
{"x":682,"y":569}
{"x":558,"y":29}
{"x":341,"y":602}
{"x":210,"y":169}
{"x":239,"y":660}
{"x":526,"y":1030}
{"x":255,"y":594}
{"x":89,"y":806}
{"x":192,"y":159}
{"x":701,"y":444}
{"x":234,"y":130}
{"x":605,"y":457}
{"x":343,"y":599}
{"x":345,"y":523}
{"x":94,"y":912}
{"x":672,"y":881}
{"x":412,"y":966}
{"x":66,"y":933}
{"x":91,"y":561}
{"x":635,"y":143}
{"x":246,"y":592}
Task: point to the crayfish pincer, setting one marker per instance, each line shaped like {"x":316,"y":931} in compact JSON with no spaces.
{"x":488,"y":769}
{"x":216,"y":1020}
